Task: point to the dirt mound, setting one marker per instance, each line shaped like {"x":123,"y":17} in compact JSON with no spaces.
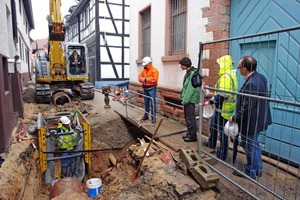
{"x":29,"y":94}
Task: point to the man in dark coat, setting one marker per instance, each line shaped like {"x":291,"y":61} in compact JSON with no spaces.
{"x":252,"y":114}
{"x":75,"y":63}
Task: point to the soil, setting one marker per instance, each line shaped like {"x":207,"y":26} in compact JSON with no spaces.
{"x":20,"y":177}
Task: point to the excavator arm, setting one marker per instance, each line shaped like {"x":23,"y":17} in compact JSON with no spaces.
{"x":56,"y":39}
{"x":56,"y":25}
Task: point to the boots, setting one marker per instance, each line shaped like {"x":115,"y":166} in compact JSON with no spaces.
{"x":190,"y":139}
{"x":145,"y":117}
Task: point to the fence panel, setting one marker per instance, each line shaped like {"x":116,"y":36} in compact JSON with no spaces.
{"x":278,"y":57}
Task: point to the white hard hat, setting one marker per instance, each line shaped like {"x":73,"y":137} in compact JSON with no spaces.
{"x":146,"y":60}
{"x":64,"y":120}
{"x":231,"y":129}
{"x":208,"y":110}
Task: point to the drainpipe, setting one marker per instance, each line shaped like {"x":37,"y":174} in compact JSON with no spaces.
{"x":17,"y":90}
{"x":29,"y":66}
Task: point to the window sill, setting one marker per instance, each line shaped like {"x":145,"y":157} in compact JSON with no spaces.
{"x":139,"y":61}
{"x":173,"y":58}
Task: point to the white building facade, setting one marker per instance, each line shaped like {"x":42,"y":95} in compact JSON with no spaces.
{"x":165,"y":18}
{"x":16,"y":21}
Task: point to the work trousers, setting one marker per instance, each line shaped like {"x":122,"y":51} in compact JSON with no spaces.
{"x":65,"y":162}
{"x":216,"y":127}
{"x":213,"y":129}
{"x":190,"y":120}
{"x":253,"y":154}
{"x":150,"y":96}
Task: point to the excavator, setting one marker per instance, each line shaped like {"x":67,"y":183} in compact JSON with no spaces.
{"x":65,"y":67}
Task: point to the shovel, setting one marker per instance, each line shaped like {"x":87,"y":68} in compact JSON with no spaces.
{"x":135,"y":174}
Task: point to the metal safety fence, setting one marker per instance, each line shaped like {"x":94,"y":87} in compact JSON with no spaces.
{"x":278,"y":141}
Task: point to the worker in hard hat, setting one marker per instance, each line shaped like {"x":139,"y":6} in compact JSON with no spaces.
{"x":149,"y":79}
{"x":67,"y":143}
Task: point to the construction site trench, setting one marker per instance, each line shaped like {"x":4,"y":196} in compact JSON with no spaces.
{"x":119,"y":150}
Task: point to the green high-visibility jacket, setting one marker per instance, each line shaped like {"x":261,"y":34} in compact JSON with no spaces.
{"x":189,"y":94}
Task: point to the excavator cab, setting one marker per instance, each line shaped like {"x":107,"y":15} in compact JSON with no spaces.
{"x":76,"y":63}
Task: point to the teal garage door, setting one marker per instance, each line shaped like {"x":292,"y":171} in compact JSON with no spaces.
{"x":278,"y":59}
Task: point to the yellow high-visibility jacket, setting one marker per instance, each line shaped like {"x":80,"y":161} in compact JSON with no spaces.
{"x":69,"y":141}
{"x":227,"y":81}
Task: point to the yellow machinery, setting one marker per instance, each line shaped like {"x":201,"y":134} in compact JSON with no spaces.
{"x":65,"y":66}
{"x":50,"y":156}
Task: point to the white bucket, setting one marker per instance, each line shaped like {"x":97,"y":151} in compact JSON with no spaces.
{"x":94,"y":186}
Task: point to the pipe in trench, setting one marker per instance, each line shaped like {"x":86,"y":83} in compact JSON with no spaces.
{"x":60,"y":98}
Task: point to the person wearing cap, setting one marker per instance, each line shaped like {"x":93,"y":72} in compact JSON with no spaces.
{"x":149,"y":79}
{"x":189,"y":97}
{"x":67,"y":143}
{"x":224,"y":106}
{"x":252,"y":115}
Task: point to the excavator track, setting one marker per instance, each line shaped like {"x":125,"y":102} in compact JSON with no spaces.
{"x":85,"y":90}
{"x":42,"y":93}
{"x":45,"y":93}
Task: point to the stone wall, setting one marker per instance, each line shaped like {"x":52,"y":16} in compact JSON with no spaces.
{"x":218,"y":15}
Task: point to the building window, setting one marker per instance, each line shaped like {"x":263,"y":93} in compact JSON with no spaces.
{"x":146,"y":32}
{"x":73,"y":32}
{"x":81,"y":21}
{"x":86,"y":17}
{"x":178,"y":14}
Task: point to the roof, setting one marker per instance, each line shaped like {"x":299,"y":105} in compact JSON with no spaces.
{"x":40,"y":44}
{"x":76,"y":11}
{"x":29,"y":13}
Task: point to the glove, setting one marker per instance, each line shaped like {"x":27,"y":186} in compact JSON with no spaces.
{"x":54,"y":134}
{"x":73,"y":126}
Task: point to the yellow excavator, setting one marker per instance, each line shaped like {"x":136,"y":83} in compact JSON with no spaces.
{"x":65,"y":66}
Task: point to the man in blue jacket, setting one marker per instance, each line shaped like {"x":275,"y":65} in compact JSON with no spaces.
{"x":252,"y":114}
